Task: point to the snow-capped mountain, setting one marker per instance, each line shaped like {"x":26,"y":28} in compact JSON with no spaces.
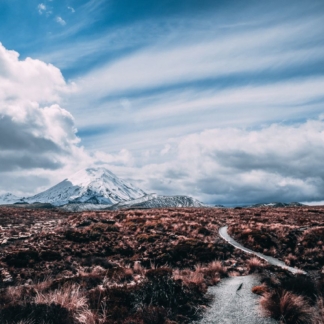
{"x":92,"y":185}
{"x":154,"y":201}
{"x":98,"y":188}
{"x":9,"y":198}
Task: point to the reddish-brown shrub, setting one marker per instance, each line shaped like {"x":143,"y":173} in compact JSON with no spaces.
{"x":288,"y":307}
{"x":260,"y":290}
{"x":254,"y":264}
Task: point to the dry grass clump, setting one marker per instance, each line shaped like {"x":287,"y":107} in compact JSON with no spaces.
{"x":38,"y":300}
{"x":189,"y":277}
{"x":292,"y":299}
{"x":287,"y":307}
{"x":260,"y":290}
{"x":254,"y":264}
{"x":69,"y":297}
{"x":202,"y":276}
{"x":216,"y":267}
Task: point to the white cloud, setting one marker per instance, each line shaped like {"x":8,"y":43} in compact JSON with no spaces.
{"x":234,"y":165}
{"x":60,"y":21}
{"x":122,"y":158}
{"x":150,"y":120}
{"x":172,"y":88}
{"x":166,"y":149}
{"x":211,"y":57}
{"x":37,"y":136}
{"x":72,"y":9}
{"x":41,"y":8}
{"x":226,"y":90}
{"x":151,"y":95}
{"x":34,"y":79}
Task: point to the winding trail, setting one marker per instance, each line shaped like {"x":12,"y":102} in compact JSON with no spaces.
{"x":234,"y":303}
{"x":223,"y":233}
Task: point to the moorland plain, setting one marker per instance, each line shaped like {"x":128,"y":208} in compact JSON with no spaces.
{"x":154,"y":265}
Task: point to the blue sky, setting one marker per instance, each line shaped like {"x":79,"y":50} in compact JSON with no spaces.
{"x":163,"y":92}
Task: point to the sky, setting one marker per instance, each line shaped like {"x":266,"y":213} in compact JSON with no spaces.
{"x":219,"y":100}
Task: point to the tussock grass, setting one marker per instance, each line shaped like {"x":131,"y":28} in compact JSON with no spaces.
{"x":254,"y":264}
{"x":144,"y":266}
{"x":287,"y":307}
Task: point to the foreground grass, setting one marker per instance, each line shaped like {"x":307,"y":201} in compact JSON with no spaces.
{"x":133,"y":266}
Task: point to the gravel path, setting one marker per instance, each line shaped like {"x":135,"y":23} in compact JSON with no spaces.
{"x":234,"y":301}
{"x":232,"y":306}
{"x":223,"y":233}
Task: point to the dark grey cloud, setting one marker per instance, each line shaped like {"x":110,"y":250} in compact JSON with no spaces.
{"x":23,"y":183}
{"x":295,"y":165}
{"x":238,"y":166}
{"x":28,"y":160}
{"x":233,"y":191}
{"x":37,"y":136}
{"x":21,"y":136}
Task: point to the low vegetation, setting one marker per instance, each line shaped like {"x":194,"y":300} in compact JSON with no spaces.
{"x":296,"y":236}
{"x":148,"y":266}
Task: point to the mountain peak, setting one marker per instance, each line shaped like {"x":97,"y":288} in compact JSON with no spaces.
{"x":89,"y":175}
{"x":95,"y":184}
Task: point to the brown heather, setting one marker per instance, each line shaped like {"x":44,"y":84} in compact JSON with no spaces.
{"x":153,"y":266}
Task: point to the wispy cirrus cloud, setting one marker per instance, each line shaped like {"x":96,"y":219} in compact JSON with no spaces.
{"x":197,"y":109}
{"x":253,"y":51}
{"x":248,"y":77}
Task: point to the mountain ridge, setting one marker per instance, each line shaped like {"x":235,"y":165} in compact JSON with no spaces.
{"x":9,"y":198}
{"x":91,"y":185}
{"x":98,"y":188}
{"x":155,"y":201}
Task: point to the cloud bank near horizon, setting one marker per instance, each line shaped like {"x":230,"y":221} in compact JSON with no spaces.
{"x":241,"y":166}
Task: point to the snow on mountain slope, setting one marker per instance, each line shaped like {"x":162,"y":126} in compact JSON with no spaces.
{"x":278,"y":204}
{"x":9,"y":198}
{"x":154,"y":201}
{"x":130,"y":203}
{"x":92,"y":185}
{"x":80,"y":207}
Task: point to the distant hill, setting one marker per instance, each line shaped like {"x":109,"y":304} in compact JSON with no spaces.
{"x":278,"y":204}
{"x":154,"y":201}
{"x":9,"y":198}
